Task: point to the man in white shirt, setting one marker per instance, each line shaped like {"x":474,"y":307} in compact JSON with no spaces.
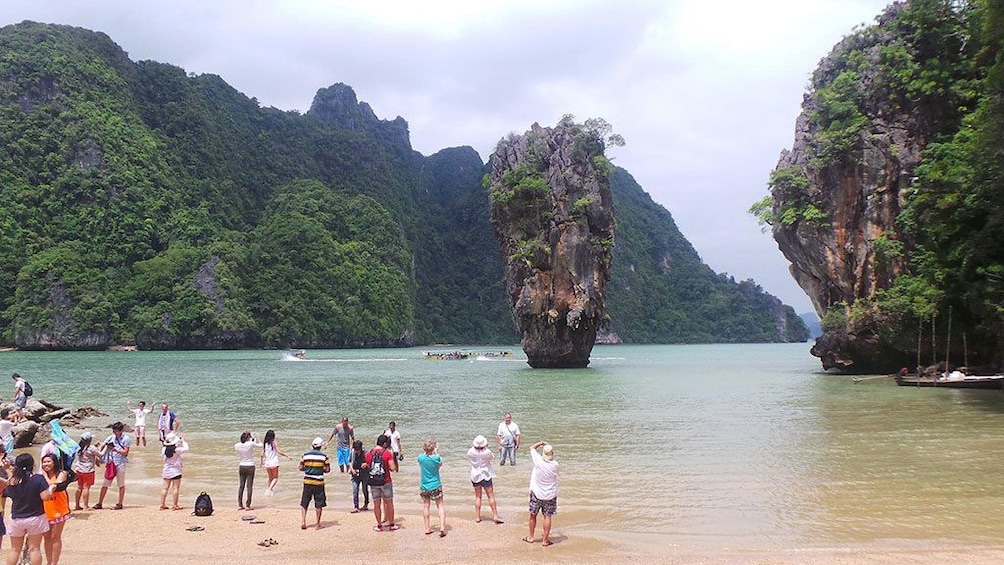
{"x":395,"y":440}
{"x":140,"y":425}
{"x":508,"y":434}
{"x":543,"y":490}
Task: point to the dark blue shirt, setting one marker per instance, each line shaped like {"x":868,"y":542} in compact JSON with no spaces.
{"x":24,"y":497}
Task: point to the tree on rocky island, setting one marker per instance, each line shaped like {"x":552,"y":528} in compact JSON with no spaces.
{"x":552,"y":213}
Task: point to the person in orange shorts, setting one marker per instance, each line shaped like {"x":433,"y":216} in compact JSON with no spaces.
{"x":84,"y":465}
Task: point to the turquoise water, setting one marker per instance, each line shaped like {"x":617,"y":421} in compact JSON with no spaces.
{"x":706,"y":446}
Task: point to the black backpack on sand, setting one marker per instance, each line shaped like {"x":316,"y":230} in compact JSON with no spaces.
{"x":203,"y":505}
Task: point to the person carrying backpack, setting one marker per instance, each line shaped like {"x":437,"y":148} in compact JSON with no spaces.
{"x":380,"y":461}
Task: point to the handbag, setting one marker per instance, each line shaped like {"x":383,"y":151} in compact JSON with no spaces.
{"x":110,"y":470}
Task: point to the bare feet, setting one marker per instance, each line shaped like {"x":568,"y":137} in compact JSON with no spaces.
{"x":303,"y":526}
{"x":546,"y":542}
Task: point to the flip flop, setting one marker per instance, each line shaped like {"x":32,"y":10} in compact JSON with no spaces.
{"x":497,"y":521}
{"x":393,"y":527}
{"x":546,"y":543}
{"x":195,"y":528}
{"x":378,"y":528}
{"x":257,"y":522}
{"x":248,"y":517}
{"x":442,"y":533}
{"x":264,"y":543}
{"x":429,"y":532}
{"x":528,"y":539}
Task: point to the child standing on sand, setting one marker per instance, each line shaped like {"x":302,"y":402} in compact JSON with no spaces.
{"x":431,"y":486}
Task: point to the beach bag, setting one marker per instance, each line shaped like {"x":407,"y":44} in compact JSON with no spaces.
{"x":203,"y":505}
{"x":110,"y":470}
{"x":28,"y":391}
{"x":378,"y":475}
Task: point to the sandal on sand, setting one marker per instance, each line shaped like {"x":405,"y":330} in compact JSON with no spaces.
{"x":528,"y":539}
{"x":97,"y":506}
{"x":117,"y":507}
{"x":378,"y":528}
{"x":498,"y":521}
{"x":393,"y":527}
{"x":264,"y":543}
{"x":176,"y":508}
{"x":195,"y":528}
{"x":428,"y":532}
{"x":546,"y":543}
{"x":272,"y":541}
{"x":163,"y":507}
{"x":442,"y":533}
{"x":354,"y":511}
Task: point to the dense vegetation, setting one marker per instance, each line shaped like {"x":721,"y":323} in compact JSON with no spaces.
{"x":934,"y":67}
{"x":146,"y":205}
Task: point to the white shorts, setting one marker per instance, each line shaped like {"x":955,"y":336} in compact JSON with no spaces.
{"x":119,"y":476}
{"x":33,"y":526}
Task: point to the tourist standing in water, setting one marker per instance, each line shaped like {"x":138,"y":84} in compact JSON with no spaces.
{"x":167,"y":422}
{"x":345,"y":434}
{"x":394,"y":436}
{"x":245,"y":449}
{"x":508,"y":435}
{"x":482,"y":475}
{"x":543,"y":490}
{"x":139,"y":428}
{"x":270,"y":453}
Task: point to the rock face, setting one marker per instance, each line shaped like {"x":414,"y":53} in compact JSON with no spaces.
{"x":552,"y":214}
{"x":838,"y":192}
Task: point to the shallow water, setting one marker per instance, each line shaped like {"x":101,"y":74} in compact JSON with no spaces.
{"x":702,"y":446}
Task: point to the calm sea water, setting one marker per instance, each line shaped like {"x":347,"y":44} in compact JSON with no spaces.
{"x":704,"y":446}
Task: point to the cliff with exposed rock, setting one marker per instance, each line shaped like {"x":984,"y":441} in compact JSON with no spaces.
{"x":552,"y":213}
{"x":851,"y":203}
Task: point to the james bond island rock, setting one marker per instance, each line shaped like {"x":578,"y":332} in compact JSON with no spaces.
{"x":850,"y":201}
{"x":552,"y":214}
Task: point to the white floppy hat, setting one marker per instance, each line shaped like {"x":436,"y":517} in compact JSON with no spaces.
{"x":479,"y":441}
{"x":317,"y":443}
{"x":547,"y":453}
{"x":171,"y":439}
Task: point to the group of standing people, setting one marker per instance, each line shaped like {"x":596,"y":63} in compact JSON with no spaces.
{"x":371,"y":473}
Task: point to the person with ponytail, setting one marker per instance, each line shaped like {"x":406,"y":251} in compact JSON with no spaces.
{"x":27,"y":491}
{"x":270,"y":453}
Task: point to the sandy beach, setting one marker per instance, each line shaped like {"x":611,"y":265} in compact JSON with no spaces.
{"x":146,"y":534}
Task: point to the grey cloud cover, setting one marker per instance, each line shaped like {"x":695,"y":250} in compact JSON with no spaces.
{"x":705,"y":93}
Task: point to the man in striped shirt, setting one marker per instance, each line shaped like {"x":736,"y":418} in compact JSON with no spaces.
{"x":314,"y":465}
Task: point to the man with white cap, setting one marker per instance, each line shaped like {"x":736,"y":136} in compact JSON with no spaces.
{"x":314,"y":465}
{"x":543,"y":490}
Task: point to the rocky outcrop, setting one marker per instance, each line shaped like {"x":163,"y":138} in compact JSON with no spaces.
{"x":838,"y":192}
{"x":38,"y":413}
{"x":62,"y":332}
{"x":552,"y":214}
{"x":338,"y":105}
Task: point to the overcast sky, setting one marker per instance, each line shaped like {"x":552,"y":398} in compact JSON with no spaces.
{"x":704,"y":92}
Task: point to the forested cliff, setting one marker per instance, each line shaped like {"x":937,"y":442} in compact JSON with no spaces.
{"x":890,"y":203}
{"x":146,"y":205}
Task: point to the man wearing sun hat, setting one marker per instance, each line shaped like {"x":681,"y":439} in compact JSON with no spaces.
{"x":314,"y":465}
{"x":543,"y":490}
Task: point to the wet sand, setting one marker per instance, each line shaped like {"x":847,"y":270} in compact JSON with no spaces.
{"x":143,"y":533}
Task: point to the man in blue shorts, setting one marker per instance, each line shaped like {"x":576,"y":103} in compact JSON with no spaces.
{"x":345,"y":434}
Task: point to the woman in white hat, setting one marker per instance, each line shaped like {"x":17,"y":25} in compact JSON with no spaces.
{"x":174,"y":446}
{"x":481,"y":476}
{"x":88,"y":457}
